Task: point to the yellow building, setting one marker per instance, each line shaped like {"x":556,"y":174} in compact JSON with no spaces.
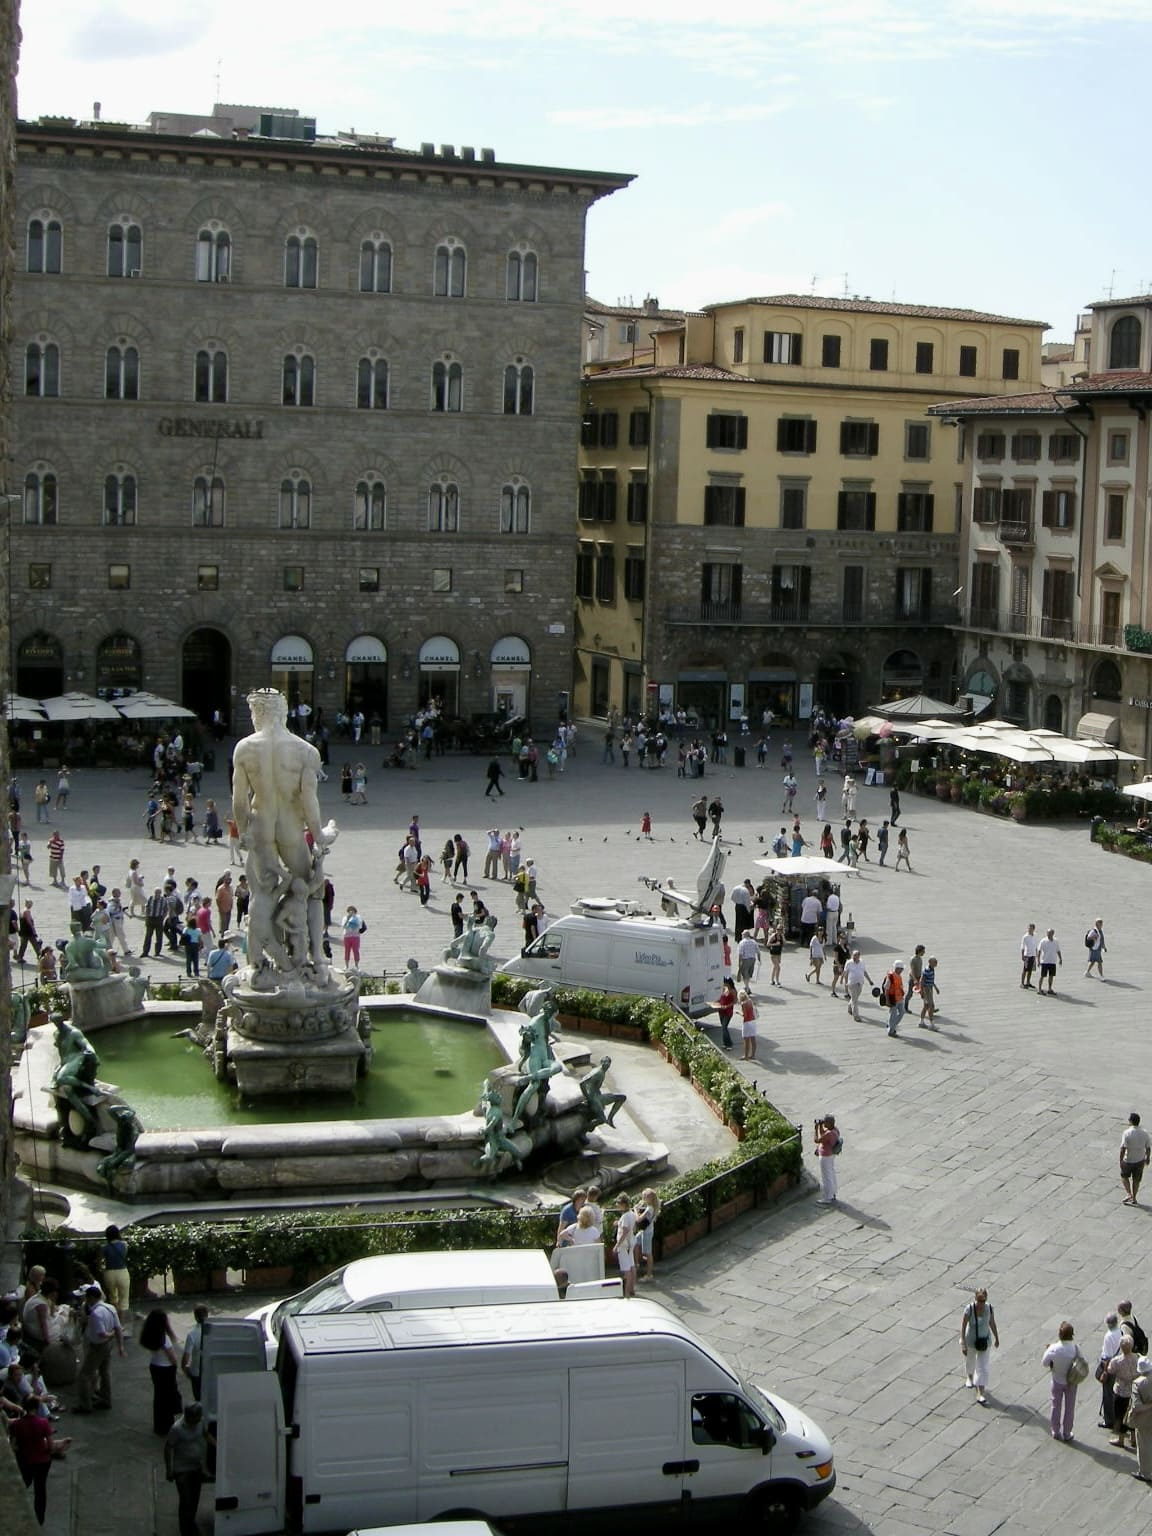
{"x":767,"y":517}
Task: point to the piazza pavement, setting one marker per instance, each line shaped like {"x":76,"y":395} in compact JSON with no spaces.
{"x":985,"y":1154}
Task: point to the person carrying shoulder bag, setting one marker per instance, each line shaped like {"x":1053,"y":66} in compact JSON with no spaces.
{"x":977,"y":1331}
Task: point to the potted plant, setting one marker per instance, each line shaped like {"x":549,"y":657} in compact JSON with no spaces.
{"x":1018,"y":807}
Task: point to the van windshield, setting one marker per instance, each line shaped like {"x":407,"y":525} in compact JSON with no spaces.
{"x":768,"y":1412}
{"x":327,"y":1295}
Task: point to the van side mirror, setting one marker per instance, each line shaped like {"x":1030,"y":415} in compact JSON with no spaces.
{"x":765,"y":1437}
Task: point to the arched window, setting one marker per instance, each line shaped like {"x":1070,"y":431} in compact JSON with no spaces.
{"x":522,"y":275}
{"x":213,"y":255}
{"x":1124,"y":343}
{"x":42,"y":369}
{"x":119,"y":500}
{"x":295,"y":501}
{"x":372,"y":384}
{"x":301,"y":260}
{"x":125,"y":249}
{"x":45,"y":249}
{"x":443,"y":507}
{"x":375,"y":265}
{"x":41,"y":498}
{"x":208,"y":501}
{"x":370,"y":507}
{"x":299,"y":379}
{"x":519,"y":388}
{"x":118,"y":668}
{"x":447,"y":386}
{"x":211,"y":379}
{"x":122,"y":372}
{"x":516,"y":508}
{"x":1106,"y":681}
{"x":450,"y":275}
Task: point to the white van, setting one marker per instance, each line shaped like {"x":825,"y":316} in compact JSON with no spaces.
{"x":613,"y":946}
{"x":550,"y":1416}
{"x":395,"y":1281}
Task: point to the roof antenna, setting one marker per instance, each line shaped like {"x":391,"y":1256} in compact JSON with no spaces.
{"x":845,"y":285}
{"x":812,"y":285}
{"x":218,"y":64}
{"x":1112,"y":283}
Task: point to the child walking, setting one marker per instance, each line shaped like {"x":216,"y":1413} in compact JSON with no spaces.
{"x":646,"y":826}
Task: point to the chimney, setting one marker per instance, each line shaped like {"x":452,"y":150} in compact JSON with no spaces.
{"x":651,"y":306}
{"x":95,"y":111}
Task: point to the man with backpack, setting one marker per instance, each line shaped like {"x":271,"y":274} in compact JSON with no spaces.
{"x":1095,"y":945}
{"x":1132,"y":1328}
{"x":892,"y":996}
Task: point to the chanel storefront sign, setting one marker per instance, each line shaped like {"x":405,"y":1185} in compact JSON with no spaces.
{"x":192,"y":426}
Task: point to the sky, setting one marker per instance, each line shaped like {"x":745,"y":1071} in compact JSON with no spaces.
{"x":953,"y":152}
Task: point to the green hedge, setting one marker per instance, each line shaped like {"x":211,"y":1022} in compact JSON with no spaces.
{"x":326,"y":1239}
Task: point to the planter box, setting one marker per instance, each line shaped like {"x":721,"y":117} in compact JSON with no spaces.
{"x":192,"y":1284}
{"x":673,"y":1243}
{"x":269,"y":1277}
{"x":695,"y":1230}
{"x":745,"y":1201}
{"x":725,"y":1213}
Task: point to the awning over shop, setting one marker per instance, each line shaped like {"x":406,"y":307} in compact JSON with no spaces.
{"x":291,"y":653}
{"x":366,"y":650}
{"x":510,"y":654}
{"x":439,"y":654}
{"x":1104,"y":729}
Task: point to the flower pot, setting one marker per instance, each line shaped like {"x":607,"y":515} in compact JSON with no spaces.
{"x":943,"y":791}
{"x":1018,"y":812}
{"x":957,"y":793}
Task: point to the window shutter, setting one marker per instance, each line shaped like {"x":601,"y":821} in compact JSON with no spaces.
{"x":737,"y":575}
{"x":710,"y":433}
{"x":901,"y":509}
{"x":608,"y":429}
{"x":781,"y":436}
{"x":845,"y":436}
{"x":804,"y":586}
{"x":929,"y":502}
{"x":1016,"y":439}
{"x":1048,"y":511}
{"x":710,"y":492}
{"x":608,"y":499}
{"x":1071,"y":503}
{"x":738,"y":508}
{"x":841,"y":504}
{"x":796,"y":354}
{"x":809,"y":437}
{"x":870,"y":513}
{"x":925,"y":593}
{"x":873,"y":437}
{"x":706,"y":582}
{"x":588,"y":430}
{"x":741,"y":431}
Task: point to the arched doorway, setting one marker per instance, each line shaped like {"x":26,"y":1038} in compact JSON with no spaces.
{"x":40,"y":666}
{"x":440,"y":675}
{"x":366,"y":678}
{"x":118,"y":666}
{"x":511,"y":672}
{"x":292,"y":667}
{"x":1053,"y":714}
{"x":903,"y":674}
{"x":206,"y":673}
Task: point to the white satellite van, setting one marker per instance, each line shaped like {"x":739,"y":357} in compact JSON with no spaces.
{"x":392,"y":1282}
{"x":541,"y":1416}
{"x":616,"y":946}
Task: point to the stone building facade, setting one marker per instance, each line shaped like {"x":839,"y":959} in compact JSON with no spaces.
{"x":1057,"y":618}
{"x":768,"y":518}
{"x":298,"y":412}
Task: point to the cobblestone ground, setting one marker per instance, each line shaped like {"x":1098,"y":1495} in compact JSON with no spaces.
{"x":984,"y":1154}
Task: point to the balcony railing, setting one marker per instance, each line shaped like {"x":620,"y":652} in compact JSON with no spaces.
{"x":711,"y":611}
{"x":1047,"y":626}
{"x":1017,"y":534}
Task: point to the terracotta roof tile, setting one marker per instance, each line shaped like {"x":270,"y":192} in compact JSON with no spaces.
{"x":1137,"y":299}
{"x":685,"y":371}
{"x":1119,"y":381}
{"x":872,"y":307}
{"x":1043,"y":402}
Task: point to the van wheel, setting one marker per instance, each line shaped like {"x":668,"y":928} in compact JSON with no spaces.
{"x":776,"y":1510}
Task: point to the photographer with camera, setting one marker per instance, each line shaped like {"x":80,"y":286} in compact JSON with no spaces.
{"x":829,"y":1143}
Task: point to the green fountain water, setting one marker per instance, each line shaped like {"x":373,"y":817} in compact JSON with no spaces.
{"x":420,"y":1066}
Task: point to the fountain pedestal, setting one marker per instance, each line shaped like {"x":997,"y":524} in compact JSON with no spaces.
{"x":107,"y":1000}
{"x":301,"y":1037}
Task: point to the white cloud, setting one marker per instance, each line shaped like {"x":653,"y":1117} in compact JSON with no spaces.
{"x":732,"y":225}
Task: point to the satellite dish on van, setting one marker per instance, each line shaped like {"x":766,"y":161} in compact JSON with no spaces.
{"x":709,"y":883}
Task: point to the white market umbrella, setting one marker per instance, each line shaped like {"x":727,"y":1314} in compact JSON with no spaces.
{"x":1141,"y":791}
{"x":804,"y":866}
{"x":16,"y":707}
{"x":149,"y":706}
{"x":78,"y":706}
